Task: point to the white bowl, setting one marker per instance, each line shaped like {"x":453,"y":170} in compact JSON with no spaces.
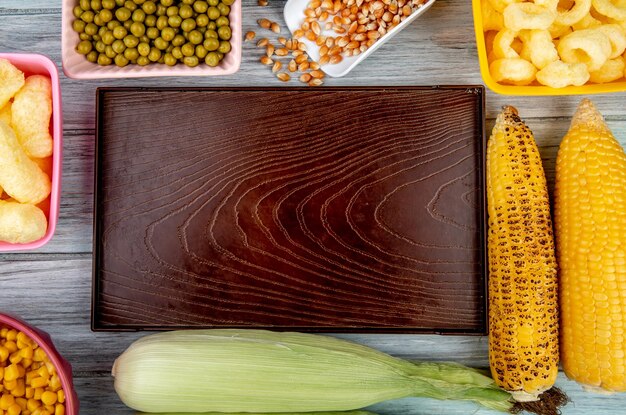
{"x":294,"y":16}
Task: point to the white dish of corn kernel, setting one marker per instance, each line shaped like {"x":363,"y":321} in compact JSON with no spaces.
{"x":340,"y":34}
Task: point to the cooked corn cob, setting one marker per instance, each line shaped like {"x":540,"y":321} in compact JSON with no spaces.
{"x":590,"y":220}
{"x":523,"y":319}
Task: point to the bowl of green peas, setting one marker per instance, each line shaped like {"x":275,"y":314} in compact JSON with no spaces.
{"x":148,"y":38}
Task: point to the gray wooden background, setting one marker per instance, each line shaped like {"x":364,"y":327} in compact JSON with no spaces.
{"x":50,"y":287}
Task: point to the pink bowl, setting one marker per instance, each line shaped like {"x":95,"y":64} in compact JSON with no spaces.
{"x":64,"y":369}
{"x":35,"y":64}
{"x":76,"y":65}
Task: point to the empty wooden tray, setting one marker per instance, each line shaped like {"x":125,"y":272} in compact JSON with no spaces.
{"x":351,"y":209}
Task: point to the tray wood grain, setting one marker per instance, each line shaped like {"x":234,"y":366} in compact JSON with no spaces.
{"x":352,"y":209}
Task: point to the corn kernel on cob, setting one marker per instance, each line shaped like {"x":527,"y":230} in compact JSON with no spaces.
{"x":523,"y":304}
{"x":590,"y":220}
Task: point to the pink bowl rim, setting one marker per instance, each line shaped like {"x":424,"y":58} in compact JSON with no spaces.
{"x":111,"y":72}
{"x":57,"y":152}
{"x":61,"y":365}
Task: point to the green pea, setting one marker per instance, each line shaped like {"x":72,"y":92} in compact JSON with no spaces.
{"x":100,"y":46}
{"x":202,"y":20}
{"x":78,"y":26}
{"x":211,"y":44}
{"x":108,"y":4}
{"x":143,"y":61}
{"x":220,"y":55}
{"x":195,"y":37}
{"x":131,"y":54}
{"x":202,"y":30}
{"x":139,"y":2}
{"x":150,"y":21}
{"x":104,"y":60}
{"x":213,"y":3}
{"x":102,"y":30}
{"x":98,"y":20}
{"x":143,"y":48}
{"x":120,"y":32}
{"x":84,"y":47}
{"x":84,"y":36}
{"x":211,"y":26}
{"x":213,"y":13}
{"x":185,"y":11}
{"x":138,"y":16}
{"x":96,"y":38}
{"x":77,"y":11}
{"x":168,"y":34}
{"x":222,"y":21}
{"x":127,"y":24}
{"x":122,"y":14}
{"x":224,"y":47}
{"x":160,"y":44}
{"x":169,"y":59}
{"x":119,"y":3}
{"x":87,"y":16}
{"x":178,"y":40}
{"x":130,"y":5}
{"x":108,"y":37}
{"x":191,"y":61}
{"x":144,"y":39}
{"x":212,"y":59}
{"x":200,"y":6}
{"x":175,"y":21}
{"x":161,"y":10}
{"x":188,"y":25}
{"x":149,"y":7}
{"x":113,"y":24}
{"x":188,"y":49}
{"x":172,"y":11}
{"x":137,"y":29}
{"x":131,"y":41}
{"x":92,"y":56}
{"x":210,"y":34}
{"x":201,"y":51}
{"x":85,"y":4}
{"x":188,"y":1}
{"x":224,"y":32}
{"x":177,"y":52}
{"x":167,"y":3}
{"x":228,"y":2}
{"x":161,"y":22}
{"x":224,"y":9}
{"x":106,"y":15}
{"x":96,"y":5}
{"x":118,"y":46}
{"x":154,"y":54}
{"x":91,"y":29}
{"x":110,"y":52}
{"x":152,"y":33}
{"x":121,"y":61}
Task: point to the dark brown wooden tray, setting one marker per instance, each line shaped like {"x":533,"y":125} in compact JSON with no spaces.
{"x":337,"y":209}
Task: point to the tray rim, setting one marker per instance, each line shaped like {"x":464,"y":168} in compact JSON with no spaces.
{"x":476,"y":89}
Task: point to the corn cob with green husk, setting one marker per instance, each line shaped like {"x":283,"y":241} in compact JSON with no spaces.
{"x":262,"y":371}
{"x":590,"y":219}
{"x":523,"y":315}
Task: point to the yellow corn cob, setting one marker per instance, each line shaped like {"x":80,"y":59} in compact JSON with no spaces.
{"x":590,"y":220}
{"x":523,"y":303}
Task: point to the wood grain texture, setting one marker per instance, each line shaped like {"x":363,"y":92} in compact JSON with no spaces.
{"x":367,"y":215}
{"x":51,"y":288}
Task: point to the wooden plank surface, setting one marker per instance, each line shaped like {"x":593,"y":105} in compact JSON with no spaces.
{"x":51,"y":287}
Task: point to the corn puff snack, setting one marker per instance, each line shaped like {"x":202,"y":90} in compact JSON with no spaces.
{"x":30,"y":118}
{"x":20,"y":177}
{"x":5,"y":113}
{"x":11,"y":80}
{"x":21,"y":223}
